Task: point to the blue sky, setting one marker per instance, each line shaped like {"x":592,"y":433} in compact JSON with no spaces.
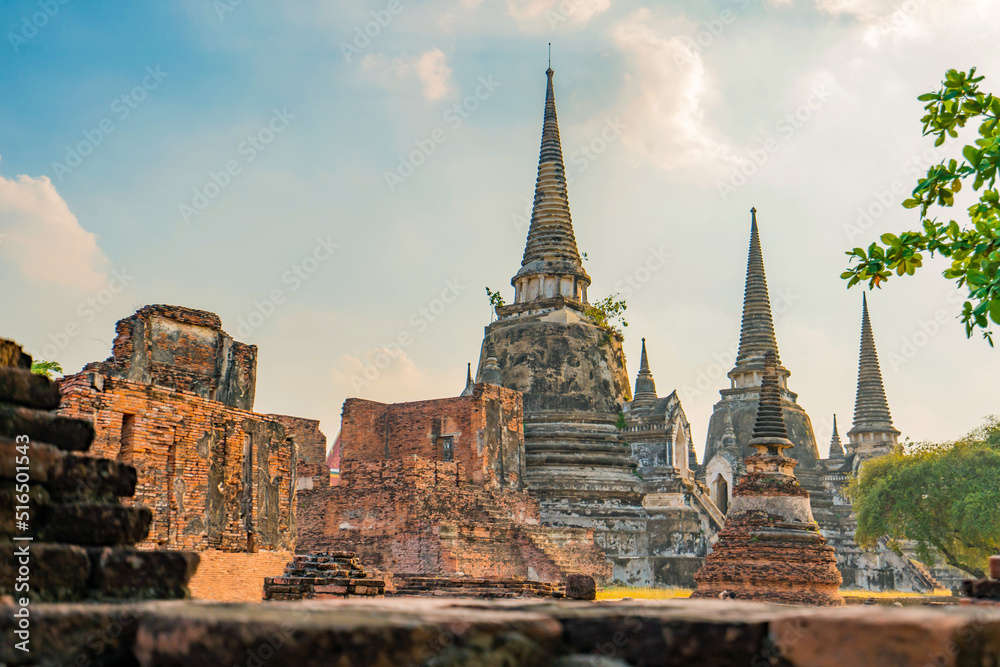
{"x":660,"y":105}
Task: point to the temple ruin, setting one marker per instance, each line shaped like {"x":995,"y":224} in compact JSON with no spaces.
{"x":770,"y":548}
{"x":436,"y":487}
{"x":731,"y":425}
{"x":631,"y":482}
{"x":175,"y":400}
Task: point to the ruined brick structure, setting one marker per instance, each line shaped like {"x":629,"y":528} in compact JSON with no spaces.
{"x":175,"y":400}
{"x":434,"y":487}
{"x":72,"y":539}
{"x":771,"y":549}
{"x":584,"y":470}
{"x":730,"y":430}
{"x":323,"y":575}
{"x":484,"y":435}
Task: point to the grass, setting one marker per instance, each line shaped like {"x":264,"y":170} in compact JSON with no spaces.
{"x":618,"y":592}
{"x":893,"y":594}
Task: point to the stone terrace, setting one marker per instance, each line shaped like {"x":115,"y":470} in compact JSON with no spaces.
{"x":415,"y":631}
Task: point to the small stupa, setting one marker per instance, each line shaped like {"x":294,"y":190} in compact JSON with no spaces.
{"x":770,"y":549}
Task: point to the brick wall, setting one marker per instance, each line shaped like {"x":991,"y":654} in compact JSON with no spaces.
{"x":215,"y":476}
{"x":485,"y":432}
{"x":310,"y":449}
{"x":417,"y":515}
{"x":236,"y":577}
{"x":182,"y":348}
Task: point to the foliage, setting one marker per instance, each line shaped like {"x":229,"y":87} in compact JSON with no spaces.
{"x":944,"y":497}
{"x":496,"y":299}
{"x":46,"y":368}
{"x":974,"y":246}
{"x":620,"y":424}
{"x":605,"y":312}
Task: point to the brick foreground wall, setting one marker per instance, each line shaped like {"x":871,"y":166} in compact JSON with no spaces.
{"x":236,"y":577}
{"x":216,"y":477}
{"x":421,"y":516}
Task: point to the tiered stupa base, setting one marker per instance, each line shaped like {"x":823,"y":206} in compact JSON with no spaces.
{"x":762,"y":557}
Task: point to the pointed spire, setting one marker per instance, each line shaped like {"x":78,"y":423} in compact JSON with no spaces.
{"x":769,"y":433}
{"x":551,"y":246}
{"x":871,"y":410}
{"x":836,"y":447}
{"x":469,"y":384}
{"x":757,"y":331}
{"x":645,"y":388}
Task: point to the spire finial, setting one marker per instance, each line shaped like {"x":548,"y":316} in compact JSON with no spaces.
{"x":757,"y":330}
{"x":550,"y":55}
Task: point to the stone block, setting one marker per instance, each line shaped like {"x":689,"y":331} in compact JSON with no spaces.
{"x":45,"y":461}
{"x":56,"y":571}
{"x":581,"y":587}
{"x":126,"y":573}
{"x":94,"y":525}
{"x":24,"y":388}
{"x":62,"y":432}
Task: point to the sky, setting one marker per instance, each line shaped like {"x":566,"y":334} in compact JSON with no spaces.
{"x":339,"y":181}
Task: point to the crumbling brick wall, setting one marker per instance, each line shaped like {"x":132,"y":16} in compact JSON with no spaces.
{"x":310,"y":448}
{"x":215,"y":476}
{"x":417,"y":515}
{"x":483,"y":433}
{"x":182,"y":348}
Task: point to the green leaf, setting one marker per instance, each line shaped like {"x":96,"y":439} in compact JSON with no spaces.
{"x":995,"y":310}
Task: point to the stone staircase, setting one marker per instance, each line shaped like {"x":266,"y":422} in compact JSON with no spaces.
{"x":323,"y":575}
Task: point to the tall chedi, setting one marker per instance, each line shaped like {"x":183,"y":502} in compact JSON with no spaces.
{"x":570,"y":370}
{"x":873,"y":433}
{"x":770,"y":549}
{"x":739,"y":401}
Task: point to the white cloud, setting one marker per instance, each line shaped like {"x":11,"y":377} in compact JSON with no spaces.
{"x":42,"y":237}
{"x":430,"y":67}
{"x":556,"y":12}
{"x":668,"y":111}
